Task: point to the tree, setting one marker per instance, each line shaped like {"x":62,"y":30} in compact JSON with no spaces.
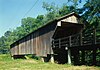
{"x":52,"y":11}
{"x":7,"y":33}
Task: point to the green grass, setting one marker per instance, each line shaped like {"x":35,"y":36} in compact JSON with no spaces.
{"x":6,"y":63}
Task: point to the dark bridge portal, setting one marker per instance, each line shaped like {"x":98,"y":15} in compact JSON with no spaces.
{"x":66,"y":29}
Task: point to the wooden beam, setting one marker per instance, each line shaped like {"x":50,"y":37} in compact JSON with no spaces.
{"x":52,"y":58}
{"x":69,"y":51}
{"x":59,"y":43}
{"x":69,"y":56}
{"x":69,"y":41}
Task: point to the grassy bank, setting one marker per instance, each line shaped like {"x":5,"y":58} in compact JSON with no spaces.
{"x":6,"y":63}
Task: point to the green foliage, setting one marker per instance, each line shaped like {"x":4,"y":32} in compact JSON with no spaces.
{"x":91,"y":12}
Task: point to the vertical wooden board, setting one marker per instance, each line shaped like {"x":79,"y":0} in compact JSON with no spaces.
{"x":25,"y":45}
{"x":48,"y":45}
{"x":33,"y":46}
{"x":22,"y":46}
{"x":40,"y":45}
{"x":37,"y":44}
{"x":44,"y":46}
{"x":15,"y":50}
{"x":19,"y":47}
{"x":30,"y":44}
{"x":34,"y":43}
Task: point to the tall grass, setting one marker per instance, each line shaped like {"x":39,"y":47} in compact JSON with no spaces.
{"x":6,"y":63}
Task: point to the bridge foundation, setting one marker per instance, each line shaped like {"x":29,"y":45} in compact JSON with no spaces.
{"x":18,"y":57}
{"x":69,"y":56}
{"x":49,"y":58}
{"x":52,"y":59}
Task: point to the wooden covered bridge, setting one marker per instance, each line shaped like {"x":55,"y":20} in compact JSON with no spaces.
{"x":63,"y":40}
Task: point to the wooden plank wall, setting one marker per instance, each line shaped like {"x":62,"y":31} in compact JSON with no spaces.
{"x":38,"y":42}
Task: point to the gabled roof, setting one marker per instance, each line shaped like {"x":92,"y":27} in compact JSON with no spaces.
{"x":68,"y":15}
{"x":50,"y":22}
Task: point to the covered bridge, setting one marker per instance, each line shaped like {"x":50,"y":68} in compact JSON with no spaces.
{"x":53,"y":40}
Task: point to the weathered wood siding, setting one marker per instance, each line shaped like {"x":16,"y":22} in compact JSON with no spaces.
{"x":37,"y":43}
{"x":72,"y":19}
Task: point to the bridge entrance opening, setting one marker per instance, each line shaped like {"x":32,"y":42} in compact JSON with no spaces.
{"x":60,"y":55}
{"x":62,"y":41}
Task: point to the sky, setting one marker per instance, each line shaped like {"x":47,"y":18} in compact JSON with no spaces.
{"x":12,"y":11}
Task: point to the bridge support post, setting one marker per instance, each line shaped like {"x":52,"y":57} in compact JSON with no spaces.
{"x":42,"y":59}
{"x":69,"y":56}
{"x":69,"y":51}
{"x":52,"y":59}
